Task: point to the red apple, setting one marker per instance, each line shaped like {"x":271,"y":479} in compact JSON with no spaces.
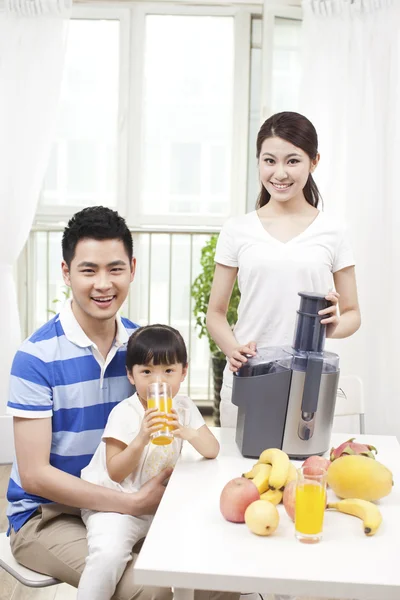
{"x":289,"y":498}
{"x":236,"y":497}
{"x":314,"y":464}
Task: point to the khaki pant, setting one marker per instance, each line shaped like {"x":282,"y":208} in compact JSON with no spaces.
{"x":53,"y":542}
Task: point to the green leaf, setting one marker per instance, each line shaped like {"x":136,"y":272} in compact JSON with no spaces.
{"x":201,"y":290}
{"x":66,"y":293}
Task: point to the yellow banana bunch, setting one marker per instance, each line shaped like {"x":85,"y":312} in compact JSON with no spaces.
{"x":261,"y":480}
{"x":259,"y":474}
{"x":253,"y":471}
{"x":274,"y":496}
{"x":363,"y":509}
{"x":279,"y":462}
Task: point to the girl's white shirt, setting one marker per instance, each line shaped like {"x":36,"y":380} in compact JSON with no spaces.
{"x":124,"y":424}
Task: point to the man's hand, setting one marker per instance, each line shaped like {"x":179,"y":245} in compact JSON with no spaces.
{"x":149,"y":496}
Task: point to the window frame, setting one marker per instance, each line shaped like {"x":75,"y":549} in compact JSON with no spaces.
{"x":52,"y":213}
{"x":272,"y":10}
{"x":242,"y":32}
{"x":131,"y":16}
{"x":132,"y":47}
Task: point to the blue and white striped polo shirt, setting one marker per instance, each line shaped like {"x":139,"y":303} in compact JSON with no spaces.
{"x":59,"y":372}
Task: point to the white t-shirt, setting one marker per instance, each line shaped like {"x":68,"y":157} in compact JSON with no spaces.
{"x":124,"y":424}
{"x":271,"y":273}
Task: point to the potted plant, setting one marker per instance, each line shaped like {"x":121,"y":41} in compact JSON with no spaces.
{"x":200,"y":290}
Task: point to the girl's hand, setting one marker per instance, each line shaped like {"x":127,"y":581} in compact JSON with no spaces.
{"x":240,"y":354}
{"x":179,"y":431}
{"x":153,"y":420}
{"x":332,"y":318}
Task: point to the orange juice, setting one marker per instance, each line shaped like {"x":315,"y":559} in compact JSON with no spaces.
{"x":310,"y":508}
{"x":164,"y":405}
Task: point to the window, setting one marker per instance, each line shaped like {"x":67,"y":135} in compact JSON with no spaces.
{"x":187,"y":115}
{"x":149,"y":112}
{"x":286,"y":70}
{"x":83,"y":165}
{"x":254,"y":113}
{"x":283,"y":89}
{"x":185,"y":169}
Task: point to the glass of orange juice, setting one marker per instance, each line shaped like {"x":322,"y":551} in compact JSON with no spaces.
{"x":310,"y":505}
{"x":159,"y":396}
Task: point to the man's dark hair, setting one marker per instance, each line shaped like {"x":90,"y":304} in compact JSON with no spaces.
{"x":98,"y":223}
{"x":156,"y":344}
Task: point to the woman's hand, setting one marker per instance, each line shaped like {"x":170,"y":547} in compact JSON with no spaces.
{"x":331,"y":317}
{"x":153,"y":420}
{"x":240,"y":354}
{"x":179,"y":431}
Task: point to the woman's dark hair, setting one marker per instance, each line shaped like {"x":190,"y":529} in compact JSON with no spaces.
{"x":299,"y":131}
{"x":98,"y":223}
{"x":156,"y":344}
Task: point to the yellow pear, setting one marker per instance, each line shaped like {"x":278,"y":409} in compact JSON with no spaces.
{"x":261,"y":517}
{"x":357,"y":476}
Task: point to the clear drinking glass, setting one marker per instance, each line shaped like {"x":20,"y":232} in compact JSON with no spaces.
{"x":182,"y":408}
{"x":159,"y":396}
{"x":310,"y":504}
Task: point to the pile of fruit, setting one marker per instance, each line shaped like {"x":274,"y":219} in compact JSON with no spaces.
{"x":352,"y":473}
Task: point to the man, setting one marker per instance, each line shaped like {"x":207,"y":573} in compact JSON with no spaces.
{"x":65,"y":380}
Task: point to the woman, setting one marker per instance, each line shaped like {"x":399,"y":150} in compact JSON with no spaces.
{"x":285,"y":246}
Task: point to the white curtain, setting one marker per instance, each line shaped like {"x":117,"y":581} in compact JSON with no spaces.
{"x":351,"y":92}
{"x":32,"y":49}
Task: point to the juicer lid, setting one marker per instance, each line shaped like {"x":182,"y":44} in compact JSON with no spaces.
{"x":279,"y":358}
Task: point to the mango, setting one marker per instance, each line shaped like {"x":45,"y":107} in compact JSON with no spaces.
{"x":357,"y":476}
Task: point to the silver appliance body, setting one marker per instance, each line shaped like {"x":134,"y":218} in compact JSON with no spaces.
{"x":305,"y":437}
{"x":286,"y":396}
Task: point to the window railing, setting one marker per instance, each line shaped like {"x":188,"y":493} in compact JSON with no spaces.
{"x":168,"y":261}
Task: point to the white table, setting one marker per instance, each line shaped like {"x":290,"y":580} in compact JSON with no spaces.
{"x":190,"y":546}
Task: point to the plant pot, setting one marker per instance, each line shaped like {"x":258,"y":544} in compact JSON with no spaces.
{"x":218,"y":366}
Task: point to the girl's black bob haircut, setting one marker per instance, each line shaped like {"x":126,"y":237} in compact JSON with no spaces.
{"x":157,"y":345}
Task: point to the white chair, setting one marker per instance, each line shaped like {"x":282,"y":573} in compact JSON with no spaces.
{"x":22,"y":574}
{"x":350,"y":398}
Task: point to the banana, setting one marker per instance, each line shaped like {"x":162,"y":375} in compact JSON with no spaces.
{"x":261,"y":480}
{"x":280,"y":467}
{"x":274,"y":496}
{"x":253,"y":472}
{"x":292,"y":474}
{"x":365,"y":510}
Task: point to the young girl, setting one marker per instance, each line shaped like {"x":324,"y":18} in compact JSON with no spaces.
{"x":126,"y":459}
{"x":283,"y":247}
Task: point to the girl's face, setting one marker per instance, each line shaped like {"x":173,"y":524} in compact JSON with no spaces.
{"x":284,"y":169}
{"x":142,"y":375}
